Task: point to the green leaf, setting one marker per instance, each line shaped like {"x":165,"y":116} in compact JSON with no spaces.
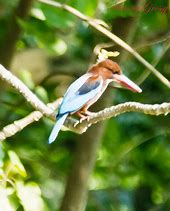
{"x":88,"y":7}
{"x":57,"y":18}
{"x":37,"y":13}
{"x":17,"y":163}
{"x":26,"y":77}
{"x":42,"y":93}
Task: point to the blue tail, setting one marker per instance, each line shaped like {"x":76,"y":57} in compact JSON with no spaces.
{"x":60,"y":121}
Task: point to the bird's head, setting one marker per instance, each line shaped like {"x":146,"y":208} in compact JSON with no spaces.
{"x":111,"y":71}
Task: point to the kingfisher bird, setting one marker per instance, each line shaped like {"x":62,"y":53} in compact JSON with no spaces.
{"x":87,"y":89}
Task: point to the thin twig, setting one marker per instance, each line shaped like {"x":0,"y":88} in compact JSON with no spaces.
{"x":145,"y":73}
{"x":24,"y":90}
{"x":133,"y":28}
{"x":20,"y":124}
{"x":153,"y":41}
{"x":97,"y":25}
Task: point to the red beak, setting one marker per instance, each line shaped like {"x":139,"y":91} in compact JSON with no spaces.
{"x":126,"y":82}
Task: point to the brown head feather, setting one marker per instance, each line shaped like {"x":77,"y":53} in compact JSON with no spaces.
{"x":106,"y":69}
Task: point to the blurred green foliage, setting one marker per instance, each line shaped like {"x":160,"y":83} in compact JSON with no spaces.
{"x":133,"y":165}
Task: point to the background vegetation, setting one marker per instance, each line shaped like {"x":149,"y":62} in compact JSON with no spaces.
{"x":47,"y":48}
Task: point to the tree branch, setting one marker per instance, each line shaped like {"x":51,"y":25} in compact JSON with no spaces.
{"x":81,"y":127}
{"x":145,"y":73}
{"x":24,"y":90}
{"x":20,"y":124}
{"x":99,"y":26}
{"x":156,"y":109}
{"x":49,"y":109}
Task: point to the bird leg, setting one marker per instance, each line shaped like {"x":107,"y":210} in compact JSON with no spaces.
{"x":83,"y":114}
{"x":86,"y":112}
{"x":79,"y":114}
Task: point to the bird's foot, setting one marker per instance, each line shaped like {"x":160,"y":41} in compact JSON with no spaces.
{"x":83,"y":117}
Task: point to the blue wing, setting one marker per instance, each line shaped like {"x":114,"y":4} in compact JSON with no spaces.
{"x":79,"y":93}
{"x":77,"y":84}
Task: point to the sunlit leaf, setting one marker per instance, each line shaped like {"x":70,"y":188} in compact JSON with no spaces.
{"x":88,"y":7}
{"x":37,"y":13}
{"x":17,"y":163}
{"x":30,"y":196}
{"x":26,"y":77}
{"x":59,"y":47}
{"x":4,"y":200}
{"x":42,"y":93}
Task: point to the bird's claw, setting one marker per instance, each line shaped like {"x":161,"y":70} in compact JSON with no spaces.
{"x":81,"y":120}
{"x":83,"y":117}
{"x":76,"y":123}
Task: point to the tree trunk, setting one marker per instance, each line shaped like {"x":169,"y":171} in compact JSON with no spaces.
{"x":75,"y":198}
{"x":13,"y":32}
{"x":76,"y":190}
